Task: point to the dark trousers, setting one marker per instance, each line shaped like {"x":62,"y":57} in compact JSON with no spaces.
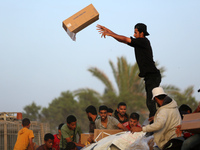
{"x":151,"y":81}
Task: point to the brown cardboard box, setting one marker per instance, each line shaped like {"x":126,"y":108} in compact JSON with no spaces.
{"x":191,"y":123}
{"x":80,"y":20}
{"x":84,"y":137}
{"x":101,"y":133}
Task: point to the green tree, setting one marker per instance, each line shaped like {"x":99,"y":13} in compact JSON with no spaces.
{"x":184,"y":97}
{"x":32,"y":112}
{"x":59,"y":109}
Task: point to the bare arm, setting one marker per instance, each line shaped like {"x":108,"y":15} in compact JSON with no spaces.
{"x":106,"y":32}
{"x":31,"y":144}
{"x":136,"y":129}
{"x":120,"y":126}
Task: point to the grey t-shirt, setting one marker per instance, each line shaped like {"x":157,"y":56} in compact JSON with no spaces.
{"x":111,"y":124}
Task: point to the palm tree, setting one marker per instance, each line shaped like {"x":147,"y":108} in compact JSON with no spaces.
{"x":130,"y":88}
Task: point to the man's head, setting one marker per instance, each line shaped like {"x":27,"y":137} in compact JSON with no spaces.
{"x":26,"y":122}
{"x":158,"y":95}
{"x":134,"y":119}
{"x":91,"y":111}
{"x":184,"y":109}
{"x":140,"y":30}
{"x":110,"y":111}
{"x":71,"y":146}
{"x":71,"y":122}
{"x":121,"y":109}
{"x":48,"y":140}
{"x":103,"y":112}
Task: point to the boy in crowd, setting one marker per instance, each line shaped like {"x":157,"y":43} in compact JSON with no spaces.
{"x":133,"y":121}
{"x":192,"y":142}
{"x":110,"y":111}
{"x":69,"y":131}
{"x":107,"y":122}
{"x":121,"y":115}
{"x":144,"y":58}
{"x":25,"y":136}
{"x":57,"y":137}
{"x":48,"y":142}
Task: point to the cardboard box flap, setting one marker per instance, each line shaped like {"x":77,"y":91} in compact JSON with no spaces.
{"x":101,"y":133}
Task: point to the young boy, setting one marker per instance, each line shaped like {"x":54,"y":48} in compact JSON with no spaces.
{"x":69,"y":131}
{"x":48,"y":140}
{"x":57,"y":137}
{"x":144,"y":58}
{"x":25,"y":136}
{"x":133,"y":121}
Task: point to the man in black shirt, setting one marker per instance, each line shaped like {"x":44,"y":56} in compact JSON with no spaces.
{"x":144,"y":58}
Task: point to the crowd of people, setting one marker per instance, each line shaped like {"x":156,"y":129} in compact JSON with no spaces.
{"x":165,"y":126}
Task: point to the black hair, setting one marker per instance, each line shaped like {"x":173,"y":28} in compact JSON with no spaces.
{"x":48,"y":136}
{"x":185,"y":107}
{"x":91,"y":109}
{"x":103,"y":107}
{"x":121,"y":104}
{"x":70,"y":146}
{"x":110,"y":110}
{"x":161,"y":97}
{"x":135,"y":116}
{"x":70,"y":119}
{"x":25,"y":122}
{"x":183,"y":110}
{"x":60,"y":126}
{"x":142,"y":28}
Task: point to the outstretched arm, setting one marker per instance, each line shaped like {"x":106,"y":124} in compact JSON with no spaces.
{"x":106,"y":32}
{"x":120,"y":126}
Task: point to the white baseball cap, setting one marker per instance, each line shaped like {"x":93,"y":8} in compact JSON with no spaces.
{"x":158,"y":91}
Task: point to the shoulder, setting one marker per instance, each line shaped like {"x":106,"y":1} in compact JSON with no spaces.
{"x":111,"y":118}
{"x":40,"y":147}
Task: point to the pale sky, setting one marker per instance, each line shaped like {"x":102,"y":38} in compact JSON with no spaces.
{"x":38,"y":60}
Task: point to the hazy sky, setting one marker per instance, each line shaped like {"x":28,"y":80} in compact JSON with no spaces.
{"x":38,"y":60}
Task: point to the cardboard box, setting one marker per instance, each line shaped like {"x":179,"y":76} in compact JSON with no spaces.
{"x":102,"y":133}
{"x":84,"y":137}
{"x":80,"y":20}
{"x":191,"y":123}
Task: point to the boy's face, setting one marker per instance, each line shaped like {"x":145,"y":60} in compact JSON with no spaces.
{"x":72,"y":125}
{"x":103,"y":114}
{"x":49,"y":143}
{"x":137,"y":34}
{"x":133,"y":122}
{"x":122,"y":110}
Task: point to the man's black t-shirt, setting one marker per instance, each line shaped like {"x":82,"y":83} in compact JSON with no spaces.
{"x":144,"y":56}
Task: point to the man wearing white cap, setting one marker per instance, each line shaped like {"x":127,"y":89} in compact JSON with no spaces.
{"x":166,"y":118}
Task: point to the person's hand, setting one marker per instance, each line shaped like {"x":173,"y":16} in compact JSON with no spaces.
{"x":151,"y":119}
{"x":136,"y":129}
{"x":90,"y":140}
{"x":103,"y":31}
{"x":178,"y":131}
